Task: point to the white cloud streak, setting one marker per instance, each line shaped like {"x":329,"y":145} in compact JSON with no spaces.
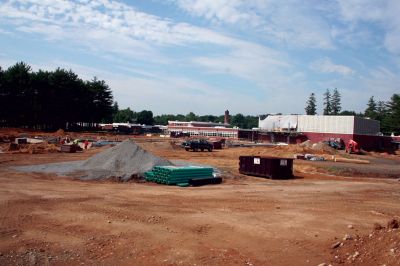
{"x":283,"y":21}
{"x":383,"y":13}
{"x":105,"y":25}
{"x":309,"y":24}
{"x":325,"y":65}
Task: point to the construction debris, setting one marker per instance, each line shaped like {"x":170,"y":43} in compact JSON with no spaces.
{"x":310,"y":157}
{"x":347,"y":160}
{"x":39,"y":148}
{"x":334,"y":158}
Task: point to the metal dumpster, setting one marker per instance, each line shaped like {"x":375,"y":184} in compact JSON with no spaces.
{"x":69,"y":148}
{"x":269,"y":167}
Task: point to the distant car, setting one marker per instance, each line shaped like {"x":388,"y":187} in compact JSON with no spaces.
{"x":197,"y":144}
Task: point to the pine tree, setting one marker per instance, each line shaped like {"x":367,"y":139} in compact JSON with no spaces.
{"x":335,"y":102}
{"x":393,"y":117}
{"x":327,"y":102}
{"x":311,"y":108}
{"x":371,"y":110}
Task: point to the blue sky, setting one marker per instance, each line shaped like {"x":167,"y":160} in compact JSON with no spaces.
{"x":206,"y":56}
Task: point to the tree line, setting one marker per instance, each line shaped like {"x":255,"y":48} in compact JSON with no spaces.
{"x":146,"y":117}
{"x":386,"y":112}
{"x":237,"y":120}
{"x":49,"y":100}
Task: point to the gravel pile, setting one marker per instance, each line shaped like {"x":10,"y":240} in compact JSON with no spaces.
{"x":123,"y":161}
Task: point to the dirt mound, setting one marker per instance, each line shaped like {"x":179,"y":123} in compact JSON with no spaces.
{"x":124,"y":161}
{"x":381,"y":246}
{"x":40,"y":148}
{"x":306,"y":144}
{"x":59,"y":132}
{"x":319,"y":147}
{"x":323,"y":148}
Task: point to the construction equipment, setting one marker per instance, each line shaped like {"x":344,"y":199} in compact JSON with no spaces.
{"x":336,"y":143}
{"x":197,"y":144}
{"x":353,"y":147}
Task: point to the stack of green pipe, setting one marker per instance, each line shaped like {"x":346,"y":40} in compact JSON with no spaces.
{"x":149,"y":176}
{"x":172,"y":175}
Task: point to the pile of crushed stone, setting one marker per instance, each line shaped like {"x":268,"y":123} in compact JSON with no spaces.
{"x":123,"y":161}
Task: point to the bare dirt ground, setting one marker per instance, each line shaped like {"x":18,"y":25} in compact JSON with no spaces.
{"x":50,"y":220}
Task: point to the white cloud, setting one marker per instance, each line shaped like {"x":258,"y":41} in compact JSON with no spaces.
{"x":2,"y":31}
{"x":291,"y":22}
{"x":383,"y":14}
{"x":228,"y":11}
{"x":116,"y":26}
{"x":110,"y":28}
{"x":310,"y":24}
{"x":381,"y":82}
{"x":158,"y":54}
{"x":325,"y":65}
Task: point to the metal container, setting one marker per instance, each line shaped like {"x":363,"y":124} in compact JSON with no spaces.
{"x":68,"y":148}
{"x":21,"y":141}
{"x":217,"y":145}
{"x":269,"y":167}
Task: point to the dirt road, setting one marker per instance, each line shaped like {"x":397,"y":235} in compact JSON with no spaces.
{"x":45,"y":219}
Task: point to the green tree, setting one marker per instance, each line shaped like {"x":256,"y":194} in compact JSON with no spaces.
{"x":239,"y":120}
{"x":51,"y":99}
{"x":18,"y":95}
{"x":145,"y":117}
{"x":311,"y":108}
{"x":208,"y":118}
{"x":251,"y":121}
{"x":336,"y":102}
{"x":115,"y":109}
{"x":69,"y":101}
{"x":371,"y":110}
{"x":382,"y":115}
{"x":327,"y":102}
{"x":353,"y":113}
{"x":381,"y":110}
{"x":124,"y":116}
{"x":101,"y":100}
{"x":393,"y":117}
{"x":190,"y":117}
{"x":44,"y":97}
{"x":163,"y":119}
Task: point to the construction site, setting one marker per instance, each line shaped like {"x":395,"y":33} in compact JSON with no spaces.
{"x":102,"y":198}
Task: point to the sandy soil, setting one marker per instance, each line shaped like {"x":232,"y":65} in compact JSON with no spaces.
{"x":51,"y":220}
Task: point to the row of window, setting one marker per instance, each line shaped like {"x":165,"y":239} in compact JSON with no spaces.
{"x":225,"y":134}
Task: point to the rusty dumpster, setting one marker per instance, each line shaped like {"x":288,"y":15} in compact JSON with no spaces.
{"x":268,"y":167}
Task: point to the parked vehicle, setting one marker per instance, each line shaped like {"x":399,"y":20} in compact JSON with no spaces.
{"x":197,"y":144}
{"x":179,"y":135}
{"x":336,"y":143}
